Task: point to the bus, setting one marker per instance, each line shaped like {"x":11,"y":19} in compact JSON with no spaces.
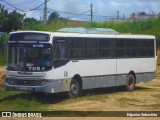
{"x":75,"y":59}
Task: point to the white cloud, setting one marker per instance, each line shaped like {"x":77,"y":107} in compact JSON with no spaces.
{"x":100,"y":7}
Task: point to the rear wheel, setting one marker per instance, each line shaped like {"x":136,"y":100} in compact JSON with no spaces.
{"x":130,"y":83}
{"x":74,"y":91}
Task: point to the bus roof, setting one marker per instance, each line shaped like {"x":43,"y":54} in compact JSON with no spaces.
{"x":32,"y":32}
{"x":89,"y":32}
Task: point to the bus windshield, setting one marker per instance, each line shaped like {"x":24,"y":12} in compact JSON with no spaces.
{"x":29,"y":57}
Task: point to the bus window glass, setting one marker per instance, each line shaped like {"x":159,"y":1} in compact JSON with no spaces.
{"x":104,"y":43}
{"x":89,"y":43}
{"x":89,"y":48}
{"x":74,"y":48}
{"x":74,"y":43}
{"x":120,"y":43}
{"x":29,"y":57}
{"x":60,"y":51}
{"x":104,"y":48}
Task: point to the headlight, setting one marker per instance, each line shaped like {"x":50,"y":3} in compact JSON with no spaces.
{"x":44,"y":82}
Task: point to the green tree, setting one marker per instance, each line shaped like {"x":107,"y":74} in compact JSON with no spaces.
{"x":30,"y":20}
{"x":10,"y":21}
{"x":54,"y":16}
{"x":3,"y":17}
{"x":142,"y":14}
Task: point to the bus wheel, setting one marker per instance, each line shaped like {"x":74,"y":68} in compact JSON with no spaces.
{"x":74,"y":91}
{"x":130,"y":83}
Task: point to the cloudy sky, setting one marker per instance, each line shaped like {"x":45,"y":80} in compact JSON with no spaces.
{"x":80,"y":9}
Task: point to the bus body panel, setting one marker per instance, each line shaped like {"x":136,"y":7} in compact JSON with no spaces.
{"x":138,"y":65}
{"x":87,"y":68}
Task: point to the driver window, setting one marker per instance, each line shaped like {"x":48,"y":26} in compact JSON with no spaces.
{"x":60,"y":51}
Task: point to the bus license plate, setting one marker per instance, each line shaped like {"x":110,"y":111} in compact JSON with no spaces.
{"x":23,"y":88}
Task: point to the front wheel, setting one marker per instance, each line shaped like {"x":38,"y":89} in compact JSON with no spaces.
{"x":74,"y":91}
{"x":130,"y":83}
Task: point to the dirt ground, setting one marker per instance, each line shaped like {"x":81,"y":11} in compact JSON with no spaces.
{"x":142,"y":99}
{"x":2,"y":75}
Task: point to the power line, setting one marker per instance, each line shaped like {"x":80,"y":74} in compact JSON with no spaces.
{"x":105,"y":16}
{"x":25,"y":2}
{"x":65,"y":12}
{"x":77,"y":2}
{"x":81,"y":14}
{"x":39,"y":5}
{"x":12,"y":6}
{"x":23,"y":10}
{"x":68,"y":12}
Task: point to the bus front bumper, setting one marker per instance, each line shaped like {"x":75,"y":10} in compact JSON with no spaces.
{"x":52,"y":87}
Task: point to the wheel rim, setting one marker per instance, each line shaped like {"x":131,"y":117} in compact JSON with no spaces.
{"x":131,"y":83}
{"x":74,"y":89}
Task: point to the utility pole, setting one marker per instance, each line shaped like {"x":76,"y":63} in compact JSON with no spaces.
{"x":118,"y":14}
{"x":91,"y":12}
{"x":45,"y":12}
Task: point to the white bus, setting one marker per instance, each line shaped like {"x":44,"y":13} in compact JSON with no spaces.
{"x":72,"y":61}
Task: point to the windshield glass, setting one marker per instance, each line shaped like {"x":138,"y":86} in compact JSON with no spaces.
{"x":29,"y":57}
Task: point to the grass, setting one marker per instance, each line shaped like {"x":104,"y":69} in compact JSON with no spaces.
{"x":146,"y":26}
{"x":19,"y":101}
{"x":154,"y":106}
{"x":3,"y":59}
{"x":124,"y":99}
{"x":49,"y":26}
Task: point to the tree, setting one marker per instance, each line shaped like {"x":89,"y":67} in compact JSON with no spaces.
{"x":10,"y":21}
{"x":3,"y":16}
{"x":142,"y":14}
{"x":30,"y":20}
{"x":54,"y":16}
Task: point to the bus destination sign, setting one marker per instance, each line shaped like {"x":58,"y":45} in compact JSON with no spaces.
{"x":25,"y":36}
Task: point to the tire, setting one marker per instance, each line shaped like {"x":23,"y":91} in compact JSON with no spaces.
{"x":75,"y":90}
{"x":130,"y":83}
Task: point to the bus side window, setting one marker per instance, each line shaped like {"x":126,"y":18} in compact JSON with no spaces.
{"x":60,"y":51}
{"x":60,"y":54}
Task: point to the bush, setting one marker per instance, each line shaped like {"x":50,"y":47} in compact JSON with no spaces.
{"x":3,"y":49}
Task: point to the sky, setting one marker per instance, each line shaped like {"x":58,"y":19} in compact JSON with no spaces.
{"x":81,"y":9}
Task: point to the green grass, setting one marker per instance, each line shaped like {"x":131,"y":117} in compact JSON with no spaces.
{"x":22,"y":101}
{"x":3,"y":59}
{"x":19,"y":101}
{"x":49,"y":26}
{"x":148,"y":26}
